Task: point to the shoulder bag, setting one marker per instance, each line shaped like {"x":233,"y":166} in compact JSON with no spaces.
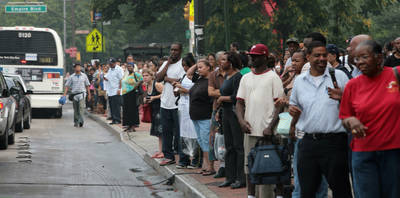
{"x":269,"y":163}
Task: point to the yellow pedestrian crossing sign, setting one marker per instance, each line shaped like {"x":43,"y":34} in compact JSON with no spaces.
{"x":94,"y":41}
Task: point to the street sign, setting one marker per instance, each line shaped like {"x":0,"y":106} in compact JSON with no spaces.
{"x":26,"y":8}
{"x":97,"y":16}
{"x":94,"y":41}
{"x":81,"y":31}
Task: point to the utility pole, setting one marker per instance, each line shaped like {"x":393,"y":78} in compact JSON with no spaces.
{"x":73,"y":22}
{"x":65,"y":26}
{"x":227,"y":24}
{"x":199,"y":26}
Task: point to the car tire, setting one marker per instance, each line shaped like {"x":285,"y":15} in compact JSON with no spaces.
{"x":4,"y":140}
{"x":27,"y":121}
{"x":58,"y":113}
{"x":11,"y":138}
{"x":19,"y":127}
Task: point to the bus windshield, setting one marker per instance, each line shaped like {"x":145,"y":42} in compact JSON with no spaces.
{"x":27,"y":48}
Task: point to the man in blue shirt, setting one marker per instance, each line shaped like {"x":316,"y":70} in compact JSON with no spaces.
{"x":323,"y":149}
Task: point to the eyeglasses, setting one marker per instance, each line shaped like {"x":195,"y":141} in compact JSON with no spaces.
{"x":361,"y":58}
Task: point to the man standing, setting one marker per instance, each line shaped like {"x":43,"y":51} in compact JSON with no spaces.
{"x":394,"y":59}
{"x":255,"y":108}
{"x":113,"y":78}
{"x":171,"y":71}
{"x":351,"y":50}
{"x":78,"y":84}
{"x":323,"y":149}
{"x":293,"y":46}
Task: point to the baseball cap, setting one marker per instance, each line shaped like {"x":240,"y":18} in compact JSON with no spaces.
{"x":292,"y":40}
{"x":259,"y":49}
{"x":112,"y":60}
{"x":332,"y":49}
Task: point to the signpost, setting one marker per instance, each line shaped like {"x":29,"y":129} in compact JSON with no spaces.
{"x":94,"y":41}
{"x":26,"y":8}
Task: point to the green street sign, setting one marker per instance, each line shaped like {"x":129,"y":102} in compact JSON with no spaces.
{"x":26,"y":8}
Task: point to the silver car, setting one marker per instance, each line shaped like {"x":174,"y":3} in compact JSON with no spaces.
{"x":7,"y":113}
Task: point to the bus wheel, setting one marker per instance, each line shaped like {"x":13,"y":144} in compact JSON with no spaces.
{"x":59,"y":113}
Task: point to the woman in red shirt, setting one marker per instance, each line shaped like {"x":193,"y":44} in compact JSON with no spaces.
{"x":370,"y":109}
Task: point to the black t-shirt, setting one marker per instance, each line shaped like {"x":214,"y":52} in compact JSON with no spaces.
{"x":200,"y":103}
{"x":229,"y":88}
{"x":392,"y":61}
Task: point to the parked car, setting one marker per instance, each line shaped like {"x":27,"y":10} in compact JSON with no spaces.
{"x":23,"y":109}
{"x":7,"y":114}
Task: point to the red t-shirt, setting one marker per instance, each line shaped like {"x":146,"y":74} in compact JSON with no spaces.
{"x":376,"y":103}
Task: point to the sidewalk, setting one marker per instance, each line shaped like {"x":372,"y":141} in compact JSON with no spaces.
{"x":192,"y":185}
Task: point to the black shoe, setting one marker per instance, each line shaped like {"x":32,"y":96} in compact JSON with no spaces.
{"x":81,"y":124}
{"x":225,"y":184}
{"x":237,"y":184}
{"x":220,"y":173}
{"x":76,"y":125}
{"x":109,"y":118}
{"x":111,"y":123}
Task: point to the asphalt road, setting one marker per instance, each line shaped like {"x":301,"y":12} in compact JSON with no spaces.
{"x":55,"y":159}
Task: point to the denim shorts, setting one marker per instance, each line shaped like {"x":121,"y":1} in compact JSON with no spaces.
{"x":202,"y":128}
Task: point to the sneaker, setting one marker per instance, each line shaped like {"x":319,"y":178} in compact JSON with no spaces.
{"x":181,"y":166}
{"x":81,"y":124}
{"x":167,"y":162}
{"x":76,"y":125}
{"x":192,"y":167}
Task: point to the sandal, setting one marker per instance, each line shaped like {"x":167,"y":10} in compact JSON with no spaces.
{"x":208,"y":173}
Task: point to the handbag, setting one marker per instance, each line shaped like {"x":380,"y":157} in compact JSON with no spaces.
{"x":269,"y":163}
{"x":219,"y":147}
{"x":146,"y":113}
{"x":285,"y":119}
{"x":71,"y":96}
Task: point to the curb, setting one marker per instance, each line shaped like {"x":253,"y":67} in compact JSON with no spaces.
{"x":188,"y":185}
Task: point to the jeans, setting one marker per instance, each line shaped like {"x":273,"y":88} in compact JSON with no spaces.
{"x":115,"y":107}
{"x":202,"y":128}
{"x":323,"y":188}
{"x":78,"y":111}
{"x":324,"y":156}
{"x":170,"y":134}
{"x":377,"y":174}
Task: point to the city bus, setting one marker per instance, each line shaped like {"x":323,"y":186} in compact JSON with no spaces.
{"x":38,"y":56}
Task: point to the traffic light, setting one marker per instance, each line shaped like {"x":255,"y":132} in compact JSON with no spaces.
{"x":186,"y":11}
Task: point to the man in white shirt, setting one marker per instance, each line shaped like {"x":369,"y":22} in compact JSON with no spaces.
{"x":113,"y":79}
{"x":255,"y":108}
{"x":171,"y":71}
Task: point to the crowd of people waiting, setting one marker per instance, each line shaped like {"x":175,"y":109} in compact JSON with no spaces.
{"x":345,"y":106}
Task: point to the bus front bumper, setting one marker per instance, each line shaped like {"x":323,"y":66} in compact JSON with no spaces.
{"x":45,"y":101}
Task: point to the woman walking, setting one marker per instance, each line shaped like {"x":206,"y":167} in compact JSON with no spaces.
{"x":130,"y":111}
{"x":154,"y":90}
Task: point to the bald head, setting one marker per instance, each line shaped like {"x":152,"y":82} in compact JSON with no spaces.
{"x":355,"y":41}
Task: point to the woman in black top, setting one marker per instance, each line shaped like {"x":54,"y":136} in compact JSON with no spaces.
{"x":200,"y":110}
{"x":234,"y":157}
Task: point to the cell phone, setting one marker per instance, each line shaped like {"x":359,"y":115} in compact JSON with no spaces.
{"x":148,"y":97}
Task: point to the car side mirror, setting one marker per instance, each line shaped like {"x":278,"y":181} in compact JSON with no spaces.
{"x":29,"y":92}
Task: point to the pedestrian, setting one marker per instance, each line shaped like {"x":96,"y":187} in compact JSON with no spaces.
{"x":293,"y":46}
{"x":370,"y":110}
{"x":200,"y":111}
{"x":394,"y":59}
{"x":130,"y":85}
{"x":215,"y":81}
{"x":334,"y":60}
{"x":78,"y":84}
{"x":153,"y":95}
{"x":314,"y":103}
{"x":212,"y":60}
{"x":255,"y":109}
{"x":234,"y":47}
{"x":113,"y":78}
{"x":170,"y":72}
{"x":233,"y":135}
{"x":187,"y":130}
{"x":355,"y":41}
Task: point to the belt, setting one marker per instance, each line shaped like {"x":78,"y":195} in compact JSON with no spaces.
{"x":318,"y":136}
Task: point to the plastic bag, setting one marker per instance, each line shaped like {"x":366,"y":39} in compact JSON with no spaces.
{"x":189,"y":146}
{"x":285,"y":120}
{"x":219,"y":147}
